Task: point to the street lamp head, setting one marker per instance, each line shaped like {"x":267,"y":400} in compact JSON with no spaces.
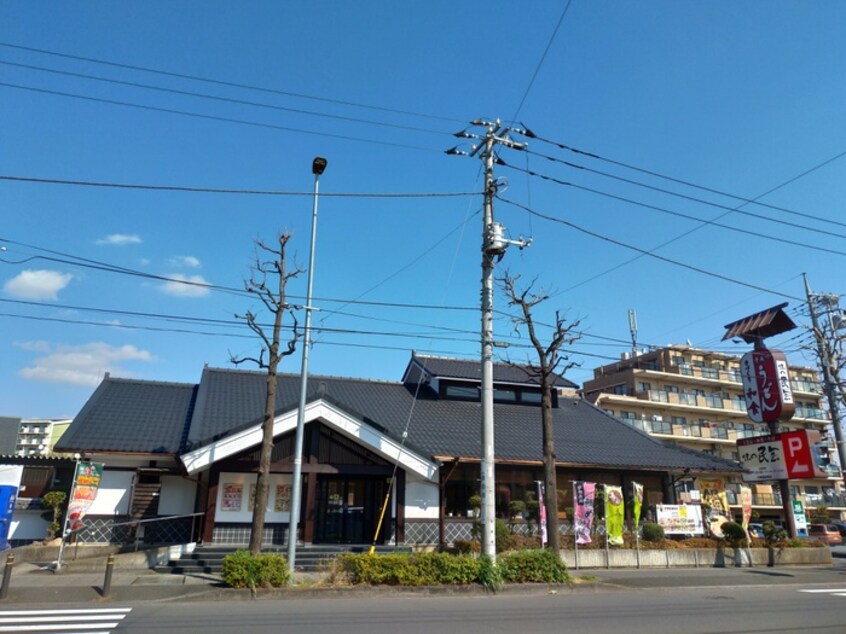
{"x":318,"y":165}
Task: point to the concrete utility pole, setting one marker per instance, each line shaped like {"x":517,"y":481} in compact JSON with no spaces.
{"x":494,"y":245}
{"x":829,"y":372}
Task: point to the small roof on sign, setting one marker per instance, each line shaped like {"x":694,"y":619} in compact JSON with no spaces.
{"x":769,"y":322}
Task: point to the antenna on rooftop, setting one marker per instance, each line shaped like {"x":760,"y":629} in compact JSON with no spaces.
{"x":633,"y":330}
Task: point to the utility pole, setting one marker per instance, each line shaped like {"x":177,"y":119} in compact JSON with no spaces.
{"x":494,"y":245}
{"x":829,"y":372}
{"x":317,"y":167}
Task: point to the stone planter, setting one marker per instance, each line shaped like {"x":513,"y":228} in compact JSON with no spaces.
{"x":695,"y":558}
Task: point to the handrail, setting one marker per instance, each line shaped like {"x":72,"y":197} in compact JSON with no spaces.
{"x":163,"y":518}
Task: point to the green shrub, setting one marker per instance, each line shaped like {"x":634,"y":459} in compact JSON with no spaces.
{"x":501,"y":536}
{"x":652,"y":532}
{"x":53,"y":500}
{"x":243,"y":570}
{"x":533,"y":566}
{"x":773,"y":534}
{"x":734,"y":534}
{"x":465,"y":546}
{"x":490,"y":576}
{"x":421,"y":569}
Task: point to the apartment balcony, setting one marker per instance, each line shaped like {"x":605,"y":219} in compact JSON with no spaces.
{"x":810,"y":412}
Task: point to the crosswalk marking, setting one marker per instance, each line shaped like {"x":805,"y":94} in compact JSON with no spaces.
{"x":837,"y":592}
{"x":83,"y":621}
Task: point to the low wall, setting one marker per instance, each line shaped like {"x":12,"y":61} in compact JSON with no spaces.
{"x":695,"y":558}
{"x":86,"y":558}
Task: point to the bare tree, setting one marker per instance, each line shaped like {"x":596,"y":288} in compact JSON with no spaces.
{"x":552,"y":362}
{"x":268,"y":281}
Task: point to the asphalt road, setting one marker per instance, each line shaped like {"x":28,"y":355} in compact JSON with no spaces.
{"x":777,"y":608}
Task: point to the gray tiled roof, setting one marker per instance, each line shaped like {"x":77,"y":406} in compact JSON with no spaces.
{"x":450,"y":368}
{"x":127,"y":415}
{"x":147,"y":416}
{"x":233,"y":399}
{"x":9,"y":428}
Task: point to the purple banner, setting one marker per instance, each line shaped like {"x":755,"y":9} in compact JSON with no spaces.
{"x":583,"y":493}
{"x":542,"y":514}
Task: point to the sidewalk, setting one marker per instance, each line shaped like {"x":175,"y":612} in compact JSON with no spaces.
{"x":35,"y":586}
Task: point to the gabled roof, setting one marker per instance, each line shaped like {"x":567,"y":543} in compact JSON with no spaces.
{"x":146,"y":416}
{"x":132,"y":416}
{"x":463,"y":369}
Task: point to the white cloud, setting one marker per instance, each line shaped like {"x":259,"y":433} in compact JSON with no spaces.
{"x":120,"y":239}
{"x":187,"y":261}
{"x":81,"y":365}
{"x":33,"y":346}
{"x":179,"y":288}
{"x":37,"y":284}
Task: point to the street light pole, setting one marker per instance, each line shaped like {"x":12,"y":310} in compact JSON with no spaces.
{"x":317,"y":168}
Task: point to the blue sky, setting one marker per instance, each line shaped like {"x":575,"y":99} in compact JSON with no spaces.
{"x":737,"y":97}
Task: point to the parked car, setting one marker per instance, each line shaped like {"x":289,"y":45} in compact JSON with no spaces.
{"x":756,"y":530}
{"x":840,"y":526}
{"x":826,"y":532}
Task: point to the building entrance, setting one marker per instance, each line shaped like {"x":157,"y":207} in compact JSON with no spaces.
{"x":348,"y":510}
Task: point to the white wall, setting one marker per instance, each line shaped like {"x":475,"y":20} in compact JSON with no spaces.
{"x":28,"y":525}
{"x":421,"y":499}
{"x":113,"y":494}
{"x":177,"y":496}
{"x":228,"y":497}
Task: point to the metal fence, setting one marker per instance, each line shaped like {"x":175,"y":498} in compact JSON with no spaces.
{"x":171,"y":529}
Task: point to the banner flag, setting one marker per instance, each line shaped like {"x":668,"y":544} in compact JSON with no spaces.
{"x":583,"y":493}
{"x":541,"y":514}
{"x":614,"y":514}
{"x":85,"y":485}
{"x":638,"y":503}
{"x":715,"y":503}
{"x":746,"y":505}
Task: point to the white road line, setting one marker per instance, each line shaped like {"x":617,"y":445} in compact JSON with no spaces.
{"x":78,"y":618}
{"x":50,"y":628}
{"x":82,"y":621}
{"x":85,"y":611}
{"x":824,"y":590}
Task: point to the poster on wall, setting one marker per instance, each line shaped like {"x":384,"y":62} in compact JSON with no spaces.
{"x":680,"y":519}
{"x":232,"y":494}
{"x":282,"y":503}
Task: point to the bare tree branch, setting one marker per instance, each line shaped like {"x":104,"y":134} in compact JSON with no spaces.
{"x":544,"y":371}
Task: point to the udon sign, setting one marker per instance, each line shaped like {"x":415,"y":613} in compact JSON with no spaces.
{"x":766,"y":386}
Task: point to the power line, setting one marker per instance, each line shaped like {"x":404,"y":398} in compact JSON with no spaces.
{"x":713,"y":223}
{"x":95,"y":264}
{"x":241,"y":102}
{"x":541,"y":61}
{"x":220,"y":82}
{"x":712,"y":190}
{"x":223,"y":190}
{"x":662,"y":190}
{"x":197,"y":115}
{"x":645,"y":252}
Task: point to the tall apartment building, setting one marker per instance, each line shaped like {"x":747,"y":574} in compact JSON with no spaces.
{"x":694,"y":398}
{"x":30,"y":436}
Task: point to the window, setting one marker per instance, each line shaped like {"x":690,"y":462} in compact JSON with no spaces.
{"x":462,"y":392}
{"x":627,"y":415}
{"x":643,"y":386}
{"x":679,"y":420}
{"x":509,"y":396}
{"x":618,"y":389}
{"x":677,"y":360}
{"x":673,"y":389}
{"x":530,"y":397}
